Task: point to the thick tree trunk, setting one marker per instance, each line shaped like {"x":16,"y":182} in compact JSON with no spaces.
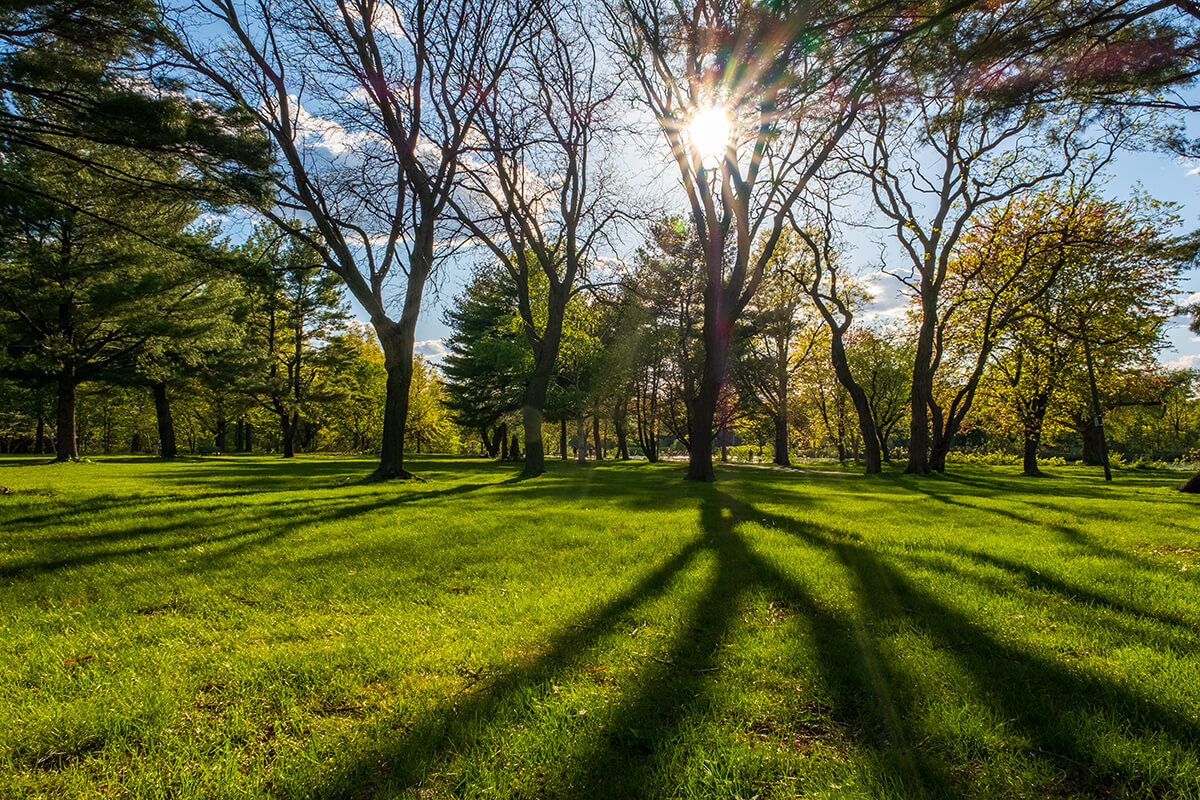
{"x":532,"y":411}
{"x":166,"y":423}
{"x":222,"y":427}
{"x":397,"y":340}
{"x":1033,"y":435}
{"x":39,"y":445}
{"x":248,"y":436}
{"x":287,"y":432}
{"x":1191,"y":485}
{"x":782,"y":457}
{"x":704,"y":410}
{"x":65,"y":446}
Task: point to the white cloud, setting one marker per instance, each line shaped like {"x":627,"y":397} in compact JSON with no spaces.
{"x":1194,"y":297}
{"x":433,"y":348}
{"x":1184,"y":362}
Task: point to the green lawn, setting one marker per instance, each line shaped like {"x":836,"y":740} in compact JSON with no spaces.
{"x":245,"y":627}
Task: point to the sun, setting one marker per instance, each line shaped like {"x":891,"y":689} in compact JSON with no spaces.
{"x":708,"y":131}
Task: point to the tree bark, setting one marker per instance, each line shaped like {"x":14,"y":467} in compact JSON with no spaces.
{"x":619,"y":413}
{"x":562,"y":439}
{"x":248,"y":436}
{"x":40,"y":436}
{"x":922,"y":385}
{"x":287,"y":432}
{"x":1191,"y":485}
{"x":65,"y":445}
{"x":782,"y":457}
{"x":502,"y":435}
{"x":514,"y":451}
{"x":168,"y":447}
{"x":1033,"y":435}
{"x":397,"y":340}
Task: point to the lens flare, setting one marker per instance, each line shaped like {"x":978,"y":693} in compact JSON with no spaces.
{"x":708,"y":132}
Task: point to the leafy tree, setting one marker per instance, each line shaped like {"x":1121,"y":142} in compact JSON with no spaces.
{"x":81,"y":297}
{"x":488,"y":358}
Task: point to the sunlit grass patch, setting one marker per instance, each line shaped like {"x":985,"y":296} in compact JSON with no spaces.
{"x":241,"y":627}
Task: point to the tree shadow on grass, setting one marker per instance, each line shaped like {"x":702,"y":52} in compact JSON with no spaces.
{"x":1056,"y":708}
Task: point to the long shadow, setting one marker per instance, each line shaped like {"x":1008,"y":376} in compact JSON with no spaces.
{"x":455,"y":726}
{"x":1040,"y":695}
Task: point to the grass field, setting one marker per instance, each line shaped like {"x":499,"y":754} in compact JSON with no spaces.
{"x":244,"y":627}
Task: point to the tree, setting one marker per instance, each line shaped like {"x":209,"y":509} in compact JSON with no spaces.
{"x":781,"y":334}
{"x":488,"y":358}
{"x":752,"y":101}
{"x":295,"y":307}
{"x":369,"y":107}
{"x":544,"y":196}
{"x":80,"y":296}
{"x":880,"y":359}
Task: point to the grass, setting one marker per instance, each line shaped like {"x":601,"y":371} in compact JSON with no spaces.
{"x":240,"y":627}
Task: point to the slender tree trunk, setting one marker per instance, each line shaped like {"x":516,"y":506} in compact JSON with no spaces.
{"x":166,"y":423}
{"x":562,"y":439}
{"x":502,"y":435}
{"x":514,"y":451}
{"x":862,"y":407}
{"x":40,"y":437}
{"x":596,"y":433}
{"x":580,"y":438}
{"x":248,"y":436}
{"x":221,"y":430}
{"x":619,"y":414}
{"x":65,"y":446}
{"x":922,"y":388}
{"x":1097,"y":414}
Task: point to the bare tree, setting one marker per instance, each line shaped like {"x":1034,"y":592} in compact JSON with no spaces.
{"x":539,"y":192}
{"x":789,"y":91}
{"x":369,"y":106}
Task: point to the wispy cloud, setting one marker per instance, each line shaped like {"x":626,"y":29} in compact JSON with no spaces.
{"x":434,"y":348}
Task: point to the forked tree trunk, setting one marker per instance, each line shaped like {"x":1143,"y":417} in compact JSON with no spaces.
{"x":166,"y":423}
{"x":1033,"y":436}
{"x":65,"y":446}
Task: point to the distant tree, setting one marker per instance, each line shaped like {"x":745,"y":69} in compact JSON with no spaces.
{"x":295,"y":307}
{"x":880,"y":360}
{"x":488,"y":359}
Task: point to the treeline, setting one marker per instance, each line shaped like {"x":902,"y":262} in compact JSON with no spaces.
{"x":631,"y":355}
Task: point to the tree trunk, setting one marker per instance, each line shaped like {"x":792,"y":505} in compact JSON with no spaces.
{"x":65,"y":446}
{"x":287,"y":432}
{"x":596,"y":433}
{"x":580,"y":439}
{"x":514,"y":451}
{"x":221,"y":429}
{"x":619,"y":413}
{"x":397,"y":340}
{"x":1033,"y":435}
{"x":166,"y":423}
{"x":40,"y":437}
{"x":1191,"y":485}
{"x":562,"y":439}
{"x":922,"y":388}
{"x":782,"y":457}
{"x":1098,"y":415}
{"x":533,"y":408}
{"x":248,"y":436}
